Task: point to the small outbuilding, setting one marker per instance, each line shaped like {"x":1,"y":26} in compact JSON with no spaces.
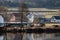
{"x":55,"y":19}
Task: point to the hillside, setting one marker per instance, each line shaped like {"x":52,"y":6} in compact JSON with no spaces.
{"x":32,"y":3}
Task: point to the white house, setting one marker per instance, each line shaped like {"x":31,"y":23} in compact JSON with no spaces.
{"x":55,"y":19}
{"x":1,"y":21}
{"x":30,"y":18}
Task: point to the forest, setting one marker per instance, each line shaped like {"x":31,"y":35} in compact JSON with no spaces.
{"x":33,"y":3}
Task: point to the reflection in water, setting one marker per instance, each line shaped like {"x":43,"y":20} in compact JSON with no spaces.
{"x":1,"y":37}
{"x":30,"y":36}
{"x":18,"y":36}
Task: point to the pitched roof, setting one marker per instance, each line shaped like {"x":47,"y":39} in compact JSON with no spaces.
{"x":57,"y":17}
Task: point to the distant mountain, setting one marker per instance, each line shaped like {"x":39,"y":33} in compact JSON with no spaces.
{"x":32,"y":3}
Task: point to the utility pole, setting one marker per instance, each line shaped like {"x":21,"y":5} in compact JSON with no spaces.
{"x":23,"y":11}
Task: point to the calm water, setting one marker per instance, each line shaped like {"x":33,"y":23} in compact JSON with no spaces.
{"x":30,"y":36}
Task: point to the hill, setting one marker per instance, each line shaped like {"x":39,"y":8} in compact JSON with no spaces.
{"x":32,"y":3}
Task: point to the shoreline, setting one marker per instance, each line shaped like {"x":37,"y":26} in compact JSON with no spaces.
{"x":36,"y":30}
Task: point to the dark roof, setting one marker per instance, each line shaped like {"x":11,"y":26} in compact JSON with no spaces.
{"x":57,"y":17}
{"x":17,"y":15}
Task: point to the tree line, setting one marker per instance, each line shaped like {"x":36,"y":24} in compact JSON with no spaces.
{"x":36,"y":4}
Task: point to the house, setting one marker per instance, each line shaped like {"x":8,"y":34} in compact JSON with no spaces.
{"x":30,"y":18}
{"x":55,"y":19}
{"x":12,"y":19}
{"x":16,"y":17}
{"x":42,"y":20}
{"x":1,"y":21}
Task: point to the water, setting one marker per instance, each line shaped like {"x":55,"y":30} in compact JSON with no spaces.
{"x":30,"y":36}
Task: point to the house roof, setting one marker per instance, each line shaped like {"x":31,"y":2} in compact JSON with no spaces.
{"x":57,"y":17}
